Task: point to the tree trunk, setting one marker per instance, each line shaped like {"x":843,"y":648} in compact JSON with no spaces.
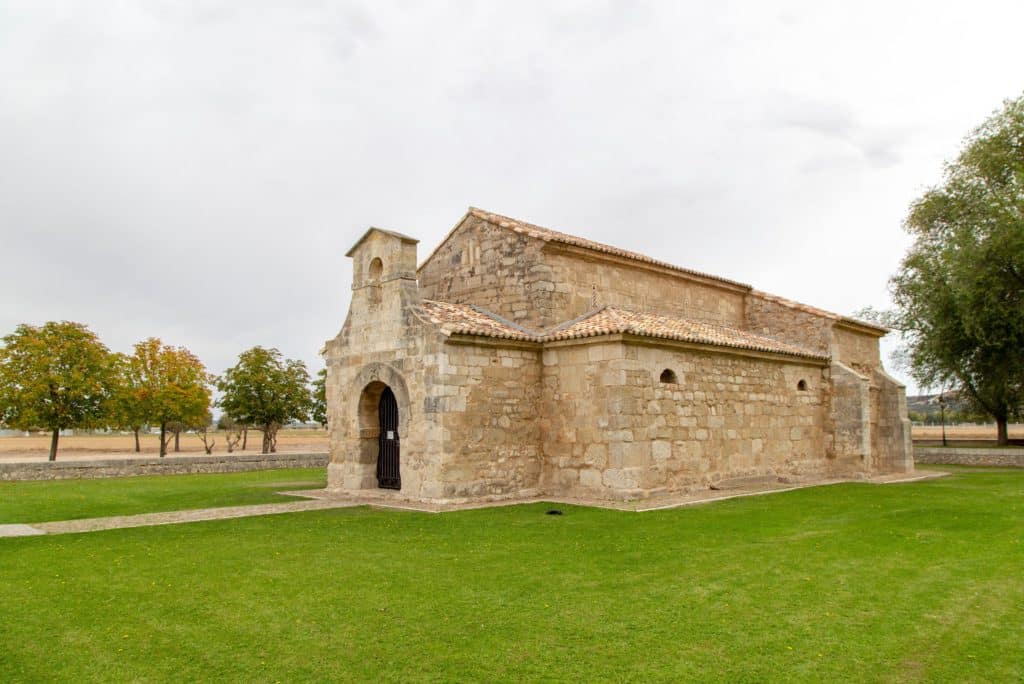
{"x":137,"y":448}
{"x":1002,"y":433}
{"x":163,"y":441}
{"x":245,"y":436}
{"x":177,"y":435}
{"x":266,"y":439}
{"x":53,"y":444}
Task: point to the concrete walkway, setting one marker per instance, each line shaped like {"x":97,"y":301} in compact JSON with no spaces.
{"x":168,"y":518}
{"x":321,"y":499}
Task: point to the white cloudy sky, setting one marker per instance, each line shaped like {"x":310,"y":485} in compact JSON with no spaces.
{"x":197,"y":170}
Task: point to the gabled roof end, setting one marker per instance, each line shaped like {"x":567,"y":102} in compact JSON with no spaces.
{"x":371,"y":229}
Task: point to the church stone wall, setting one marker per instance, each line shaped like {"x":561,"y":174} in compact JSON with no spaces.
{"x":855,"y":349}
{"x":493,"y":268}
{"x":849,"y":421}
{"x":613,"y":429}
{"x":406,"y":361}
{"x":490,"y":414}
{"x":538,"y":284}
{"x":787,"y":324}
{"x":382,"y":343}
{"x":581,"y":282}
{"x":892,"y":445}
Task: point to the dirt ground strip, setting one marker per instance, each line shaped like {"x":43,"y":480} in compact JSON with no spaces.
{"x":321,"y":499}
{"x":964,"y":432}
{"x":36,"y":447}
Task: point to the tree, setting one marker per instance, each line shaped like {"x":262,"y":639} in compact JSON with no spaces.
{"x":320,"y":398}
{"x":55,"y":376}
{"x":263,"y":389}
{"x":232,"y":431}
{"x":173,"y":386}
{"x":127,"y":410}
{"x":202,"y":429}
{"x":959,"y":293}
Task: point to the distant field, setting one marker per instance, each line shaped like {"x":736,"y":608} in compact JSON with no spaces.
{"x":83,"y":446}
{"x":964,"y":432}
{"x":90,"y":446}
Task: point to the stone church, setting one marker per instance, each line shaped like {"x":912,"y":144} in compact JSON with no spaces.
{"x":519,"y":361}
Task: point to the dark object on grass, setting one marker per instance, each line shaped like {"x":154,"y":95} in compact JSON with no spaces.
{"x":554,"y":511}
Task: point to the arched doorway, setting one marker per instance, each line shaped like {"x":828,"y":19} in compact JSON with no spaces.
{"x":388,"y":473}
{"x":382,"y":406}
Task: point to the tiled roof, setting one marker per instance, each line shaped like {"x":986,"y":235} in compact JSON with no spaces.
{"x":610,"y":320}
{"x":464,"y":319}
{"x":549,"y":235}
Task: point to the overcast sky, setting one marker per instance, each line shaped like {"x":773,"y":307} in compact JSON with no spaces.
{"x":197,"y":171}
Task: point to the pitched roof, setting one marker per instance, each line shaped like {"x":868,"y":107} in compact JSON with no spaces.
{"x":464,"y":319}
{"x":610,"y":320}
{"x":374,"y":229}
{"x":549,"y":235}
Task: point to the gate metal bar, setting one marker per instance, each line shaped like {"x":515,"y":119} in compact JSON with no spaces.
{"x":388,"y":476}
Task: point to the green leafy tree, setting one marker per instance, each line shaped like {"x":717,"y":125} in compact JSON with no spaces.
{"x":263,"y":389}
{"x":959,"y":293}
{"x":127,"y":410}
{"x":54,"y":377}
{"x":172,"y":387}
{"x":320,"y":398}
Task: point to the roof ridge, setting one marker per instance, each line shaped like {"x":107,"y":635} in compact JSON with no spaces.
{"x":624,"y":325}
{"x":466,"y":325}
{"x":552,"y":235}
{"x":573,"y":321}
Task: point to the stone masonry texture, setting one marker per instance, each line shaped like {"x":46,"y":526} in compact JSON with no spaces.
{"x":169,"y":465}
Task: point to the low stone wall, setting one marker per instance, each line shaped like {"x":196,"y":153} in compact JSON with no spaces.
{"x":1013,"y":457}
{"x":170,"y":465}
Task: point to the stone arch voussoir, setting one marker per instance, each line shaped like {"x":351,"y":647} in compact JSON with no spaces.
{"x":388,"y":375}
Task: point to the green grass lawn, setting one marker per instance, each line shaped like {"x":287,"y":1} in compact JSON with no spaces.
{"x":43,"y":501}
{"x":853,"y":582}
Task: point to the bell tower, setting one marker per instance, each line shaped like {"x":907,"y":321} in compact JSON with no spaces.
{"x":383,"y":273}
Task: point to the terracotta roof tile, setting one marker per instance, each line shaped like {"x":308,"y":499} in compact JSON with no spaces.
{"x":611,"y":320}
{"x":464,"y":319}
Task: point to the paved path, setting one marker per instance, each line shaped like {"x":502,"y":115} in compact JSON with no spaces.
{"x":320,"y":499}
{"x":168,"y":518}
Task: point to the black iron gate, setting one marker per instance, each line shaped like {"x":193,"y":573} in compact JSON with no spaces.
{"x":388,"y":476}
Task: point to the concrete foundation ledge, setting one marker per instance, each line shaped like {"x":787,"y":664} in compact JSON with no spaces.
{"x":169,"y":465}
{"x":1006,"y":457}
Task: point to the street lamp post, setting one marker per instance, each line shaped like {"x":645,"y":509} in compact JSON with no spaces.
{"x":942,"y":413}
